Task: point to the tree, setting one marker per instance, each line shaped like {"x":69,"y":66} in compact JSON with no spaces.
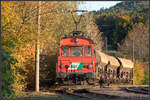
{"x":146,"y":75}
{"x":138,"y":73}
{"x":7,"y":74}
{"x":116,"y":22}
{"x":19,"y":28}
{"x":139,"y":35}
{"x":92,"y":31}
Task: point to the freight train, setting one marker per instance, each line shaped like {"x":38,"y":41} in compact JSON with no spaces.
{"x":78,"y":61}
{"x":114,"y":69}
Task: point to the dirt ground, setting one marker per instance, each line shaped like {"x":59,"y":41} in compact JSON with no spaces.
{"x":62,"y":97}
{"x":55,"y":96}
{"x":50,"y":95}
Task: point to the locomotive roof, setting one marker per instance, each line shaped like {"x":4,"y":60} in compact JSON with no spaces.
{"x":81,"y":41}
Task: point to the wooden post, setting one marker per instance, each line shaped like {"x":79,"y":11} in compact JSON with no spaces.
{"x":38,"y":50}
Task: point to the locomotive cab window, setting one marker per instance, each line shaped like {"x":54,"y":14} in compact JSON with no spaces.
{"x":64,"y":51}
{"x":88,"y":51}
{"x":76,"y":51}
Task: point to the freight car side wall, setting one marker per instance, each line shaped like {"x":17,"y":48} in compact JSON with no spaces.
{"x":112,"y":68}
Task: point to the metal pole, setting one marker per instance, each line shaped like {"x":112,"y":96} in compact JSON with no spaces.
{"x":106,"y":44}
{"x":0,"y":63}
{"x":76,"y":26}
{"x":38,"y":50}
{"x":133,"y":51}
{"x":77,"y":22}
{"x":133,"y":60}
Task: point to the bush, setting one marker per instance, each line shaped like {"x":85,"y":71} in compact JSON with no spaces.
{"x":140,"y":73}
{"x":146,"y":75}
{"x":7,"y":74}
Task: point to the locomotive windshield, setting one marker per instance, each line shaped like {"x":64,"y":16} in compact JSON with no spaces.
{"x":76,"y":51}
{"x":64,"y":51}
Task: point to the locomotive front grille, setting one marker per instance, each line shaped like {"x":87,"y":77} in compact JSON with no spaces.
{"x":90,"y":75}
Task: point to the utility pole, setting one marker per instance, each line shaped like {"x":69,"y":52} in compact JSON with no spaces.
{"x":38,"y":49}
{"x":133,"y":50}
{"x":0,"y":63}
{"x":106,"y":44}
{"x":133,"y":59}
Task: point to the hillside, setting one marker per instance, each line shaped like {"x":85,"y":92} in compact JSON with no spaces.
{"x":125,"y":28}
{"x":116,"y":22}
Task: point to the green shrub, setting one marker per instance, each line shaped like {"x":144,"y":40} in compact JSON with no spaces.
{"x":7,"y":74}
{"x":139,"y":72}
{"x":146,"y":75}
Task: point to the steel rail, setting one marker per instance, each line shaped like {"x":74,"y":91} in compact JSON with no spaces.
{"x":136,"y":91}
{"x":80,"y":95}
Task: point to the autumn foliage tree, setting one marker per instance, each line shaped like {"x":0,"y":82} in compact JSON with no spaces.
{"x":126,"y":26}
{"x":137,"y":43}
{"x":139,"y":73}
{"x":116,"y":22}
{"x":19,"y":32}
{"x":7,"y":74}
{"x":91,"y":30}
{"x":137,"y":38}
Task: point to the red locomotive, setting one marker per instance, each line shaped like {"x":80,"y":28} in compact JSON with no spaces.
{"x":76,"y":59}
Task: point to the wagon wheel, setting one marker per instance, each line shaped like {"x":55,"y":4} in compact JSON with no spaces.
{"x":59,"y":81}
{"x":90,"y":82}
{"x":76,"y":82}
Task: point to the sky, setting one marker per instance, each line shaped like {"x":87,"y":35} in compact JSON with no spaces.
{"x":96,"y":5}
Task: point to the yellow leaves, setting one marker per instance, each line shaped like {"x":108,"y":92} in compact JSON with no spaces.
{"x":93,"y":32}
{"x":140,"y":18}
{"x":21,"y":17}
{"x":127,"y":18}
{"x":25,"y":66}
{"x":138,"y":72}
{"x":6,"y":8}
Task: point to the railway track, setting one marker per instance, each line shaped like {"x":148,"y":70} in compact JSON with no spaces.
{"x":83,"y":92}
{"x":96,"y":93}
{"x":74,"y":92}
{"x":82,"y":95}
{"x":138,"y":90}
{"x":145,"y":89}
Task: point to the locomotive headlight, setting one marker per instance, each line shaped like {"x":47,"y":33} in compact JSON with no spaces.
{"x":89,"y":66}
{"x":76,"y":39}
{"x":62,"y":66}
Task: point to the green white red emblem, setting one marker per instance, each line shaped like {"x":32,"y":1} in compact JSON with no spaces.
{"x":76,"y":66}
